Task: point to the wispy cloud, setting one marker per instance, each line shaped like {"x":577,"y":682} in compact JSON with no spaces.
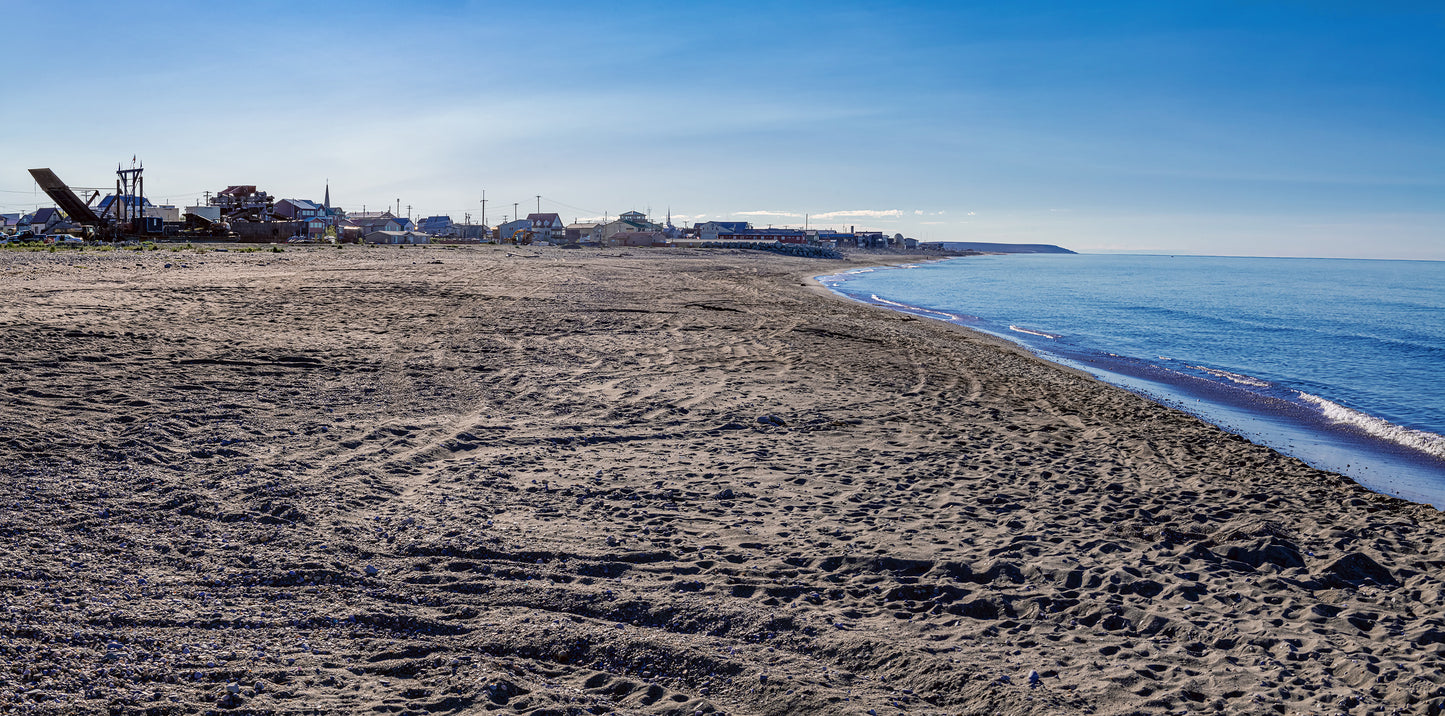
{"x":859,"y":213}
{"x":761,"y":212}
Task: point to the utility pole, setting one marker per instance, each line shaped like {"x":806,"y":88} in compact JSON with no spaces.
{"x":484,"y":207}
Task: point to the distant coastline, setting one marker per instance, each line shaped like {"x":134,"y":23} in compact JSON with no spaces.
{"x":994,"y":248}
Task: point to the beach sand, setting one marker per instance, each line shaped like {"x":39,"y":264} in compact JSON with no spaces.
{"x":533,"y":480}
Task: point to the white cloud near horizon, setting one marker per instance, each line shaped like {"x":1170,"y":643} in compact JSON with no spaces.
{"x":760,"y":212}
{"x":859,"y":213}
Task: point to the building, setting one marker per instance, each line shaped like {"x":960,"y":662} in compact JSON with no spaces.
{"x":127,"y":204}
{"x":43,"y":221}
{"x":638,"y":238}
{"x":243,"y":202}
{"x":435,"y":225}
{"x":317,"y":226}
{"x":583,"y":231}
{"x":466,"y":233}
{"x":547,"y":227}
{"x":769,"y":236}
{"x":512,"y":228}
{"x":366,"y":225}
{"x":720,"y":230}
{"x":209,"y":213}
{"x":348,"y":232}
{"x":871,"y":239}
{"x":166,"y":213}
{"x":629,"y":222}
{"x":397,"y":237}
{"x":297,"y":209}
{"x":267,"y":232}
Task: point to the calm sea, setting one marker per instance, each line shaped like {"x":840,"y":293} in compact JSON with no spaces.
{"x":1340,"y":363}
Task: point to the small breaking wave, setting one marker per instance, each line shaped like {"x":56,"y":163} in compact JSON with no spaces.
{"x":1428,"y":443}
{"x":1235,"y":377}
{"x":1040,"y":334}
{"x":912,"y":309}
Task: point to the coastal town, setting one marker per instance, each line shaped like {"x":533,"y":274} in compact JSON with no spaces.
{"x":246,"y":213}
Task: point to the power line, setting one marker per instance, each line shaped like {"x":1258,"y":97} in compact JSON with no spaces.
{"x":574,"y":208}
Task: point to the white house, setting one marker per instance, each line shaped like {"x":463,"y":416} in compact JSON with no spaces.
{"x":546,"y":227}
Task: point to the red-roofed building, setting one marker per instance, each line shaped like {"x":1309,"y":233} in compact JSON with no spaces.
{"x":547,"y":227}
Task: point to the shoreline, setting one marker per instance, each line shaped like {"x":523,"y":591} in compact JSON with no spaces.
{"x":677,"y":481}
{"x":1399,"y":469}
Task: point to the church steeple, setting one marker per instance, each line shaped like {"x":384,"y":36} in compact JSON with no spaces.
{"x":327,"y":202}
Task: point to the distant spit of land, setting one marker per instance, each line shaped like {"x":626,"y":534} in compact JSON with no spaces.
{"x":990,"y":248}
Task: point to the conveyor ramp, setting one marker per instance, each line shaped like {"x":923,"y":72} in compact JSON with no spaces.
{"x":63,"y":197}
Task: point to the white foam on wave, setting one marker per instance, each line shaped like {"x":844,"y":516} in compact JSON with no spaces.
{"x":1041,"y":334}
{"x":1428,"y":443}
{"x":1236,"y":377}
{"x":911,"y":309}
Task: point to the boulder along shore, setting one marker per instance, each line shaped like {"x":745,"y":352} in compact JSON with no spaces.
{"x":548,"y":481}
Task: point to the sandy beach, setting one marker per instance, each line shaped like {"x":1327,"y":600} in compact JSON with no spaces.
{"x":547,"y":481}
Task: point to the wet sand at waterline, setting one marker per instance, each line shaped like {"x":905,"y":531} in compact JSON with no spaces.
{"x":534,"y":480}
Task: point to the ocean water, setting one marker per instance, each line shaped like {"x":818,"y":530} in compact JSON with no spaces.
{"x":1340,"y":363}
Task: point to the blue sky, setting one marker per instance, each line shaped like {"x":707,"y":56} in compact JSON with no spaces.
{"x":1265,"y":127}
